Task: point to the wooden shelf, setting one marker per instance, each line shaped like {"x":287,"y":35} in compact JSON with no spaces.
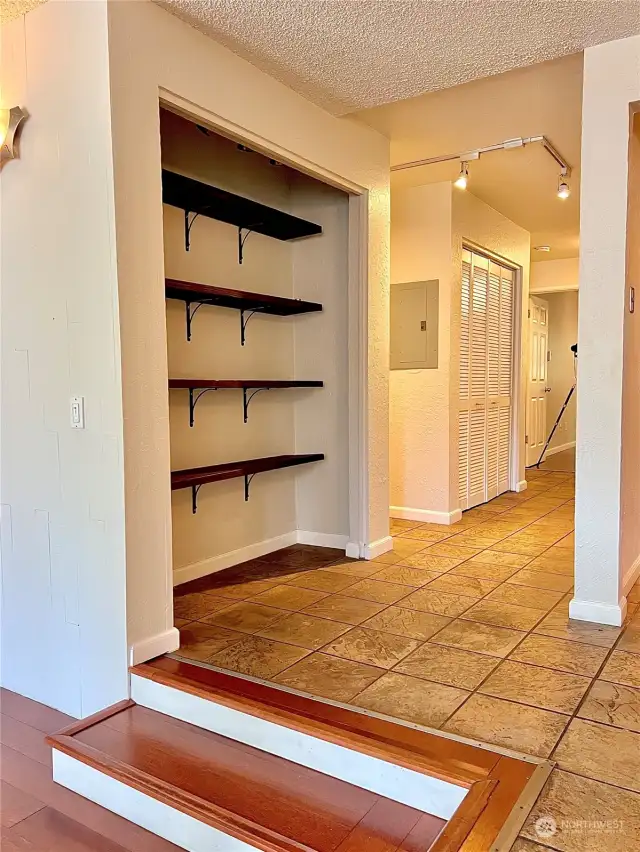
{"x":240,"y":300}
{"x":192,"y":196}
{"x":196,"y":477}
{"x":198,"y":387}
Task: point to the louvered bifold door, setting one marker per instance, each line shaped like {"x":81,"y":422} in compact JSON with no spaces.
{"x":465,"y":358}
{"x":505,"y":378}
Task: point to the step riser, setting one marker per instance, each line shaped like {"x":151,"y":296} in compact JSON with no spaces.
{"x":159,"y":818}
{"x":411,"y":788}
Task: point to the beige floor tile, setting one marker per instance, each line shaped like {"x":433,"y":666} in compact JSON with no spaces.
{"x":288,"y":597}
{"x":239,"y":589}
{"x":485,"y":570}
{"x":558,"y":624}
{"x":458,"y":552}
{"x":473,"y":587}
{"x":446,"y":665}
{"x":622,"y":667}
{"x":494,"y":557}
{"x":409,"y":698}
{"x":258,"y":657}
{"x":525,"y":684}
{"x":181,"y":622}
{"x":630,"y":639}
{"x":542,"y":580}
{"x":196,"y":605}
{"x":553,"y":653}
{"x":323,"y":581}
{"x":524,"y":845}
{"x":503,"y":723}
{"x":402,"y":548}
{"x":440,"y":603}
{"x":504,"y":615}
{"x":427,"y":536}
{"x":199,"y":641}
{"x":406,"y":576}
{"x":613,"y":704}
{"x":398,"y":525}
{"x":477,"y":542}
{"x":329,"y":677}
{"x":589,"y":816}
{"x":524,"y":548}
{"x":483,"y":638}
{"x":375,"y":647}
{"x":375,"y":590}
{"x":306,"y":631}
{"x":412,"y":623}
{"x":424,"y":559}
{"x":353,"y":568}
{"x":345,"y":609}
{"x":602,"y":752}
{"x":245,"y":616}
{"x":540,"y":599}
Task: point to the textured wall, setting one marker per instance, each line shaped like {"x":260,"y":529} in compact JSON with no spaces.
{"x":151,"y":50}
{"x":611,"y":83}
{"x":548,"y":276}
{"x":63,"y":563}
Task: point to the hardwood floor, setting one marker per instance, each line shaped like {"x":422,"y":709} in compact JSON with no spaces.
{"x":38,"y":815}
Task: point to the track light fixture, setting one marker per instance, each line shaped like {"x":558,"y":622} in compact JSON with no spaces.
{"x":10,"y":121}
{"x":564,"y":191}
{"x":461,"y":181}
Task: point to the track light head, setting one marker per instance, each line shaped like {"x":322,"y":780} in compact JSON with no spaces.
{"x":564,"y":191}
{"x":461,"y":181}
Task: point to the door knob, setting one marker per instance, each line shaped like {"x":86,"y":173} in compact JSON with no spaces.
{"x":547,"y":390}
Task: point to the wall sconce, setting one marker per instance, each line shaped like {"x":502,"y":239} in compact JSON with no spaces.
{"x":10,"y":120}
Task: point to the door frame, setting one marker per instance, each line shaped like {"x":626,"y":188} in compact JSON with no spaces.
{"x":518,"y":385}
{"x":527,"y":415}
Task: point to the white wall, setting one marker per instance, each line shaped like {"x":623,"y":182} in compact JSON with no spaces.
{"x":63,"y":568}
{"x":563,"y":333}
{"x":549,"y":276}
{"x":419,"y":411}
{"x":428,"y":227}
{"x":630,"y":486}
{"x":152,"y":53}
{"x":611,"y":83}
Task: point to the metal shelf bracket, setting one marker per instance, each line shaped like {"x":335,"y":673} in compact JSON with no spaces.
{"x":188,"y":224}
{"x":247,"y":482}
{"x":194,"y":497}
{"x":241,"y":241}
{"x":193,"y":401}
{"x":246,"y":399}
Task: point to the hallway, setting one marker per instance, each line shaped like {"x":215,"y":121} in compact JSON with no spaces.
{"x":463,"y":629}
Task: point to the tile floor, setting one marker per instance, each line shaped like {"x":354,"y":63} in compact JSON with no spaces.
{"x":462,"y":628}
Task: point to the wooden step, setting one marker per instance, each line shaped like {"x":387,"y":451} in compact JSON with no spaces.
{"x":203,"y":791}
{"x":476,"y":789}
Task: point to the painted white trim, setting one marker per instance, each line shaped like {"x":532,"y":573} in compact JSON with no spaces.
{"x":407,"y":513}
{"x":143,"y":810}
{"x":547,"y":291}
{"x":597,"y":612}
{"x":377,"y":548}
{"x":521,"y":486}
{"x":162,"y":643}
{"x":631,"y":576}
{"x":354,"y":550}
{"x":233,"y":557}
{"x":323,"y":539}
{"x":560,"y":448}
{"x":414,"y":789}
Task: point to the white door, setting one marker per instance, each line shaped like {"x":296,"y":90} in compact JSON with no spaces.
{"x":538,"y":389}
{"x":486,"y":358}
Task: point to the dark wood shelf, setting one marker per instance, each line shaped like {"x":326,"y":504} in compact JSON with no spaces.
{"x":192,"y":196}
{"x":244,"y":301}
{"x":196,"y":477}
{"x":199,"y":387}
{"x":267,"y":384}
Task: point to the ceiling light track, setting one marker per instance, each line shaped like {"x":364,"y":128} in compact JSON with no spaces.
{"x":465,"y":157}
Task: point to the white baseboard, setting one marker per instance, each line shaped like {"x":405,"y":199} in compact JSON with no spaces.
{"x":162,"y":643}
{"x":597,"y":612}
{"x":425,"y":516}
{"x":377,"y":548}
{"x":233,"y":557}
{"x":412,"y":788}
{"x":559,"y":449}
{"x":521,"y":486}
{"x":630,"y":577}
{"x":157,"y":817}
{"x":354,"y":550}
{"x":323,"y":539}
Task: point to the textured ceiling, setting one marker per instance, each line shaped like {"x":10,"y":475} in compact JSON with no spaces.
{"x":543,"y":99}
{"x":14,"y":8}
{"x":352,"y":54}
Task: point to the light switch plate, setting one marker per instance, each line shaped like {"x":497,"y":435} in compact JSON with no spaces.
{"x":76,"y":409}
